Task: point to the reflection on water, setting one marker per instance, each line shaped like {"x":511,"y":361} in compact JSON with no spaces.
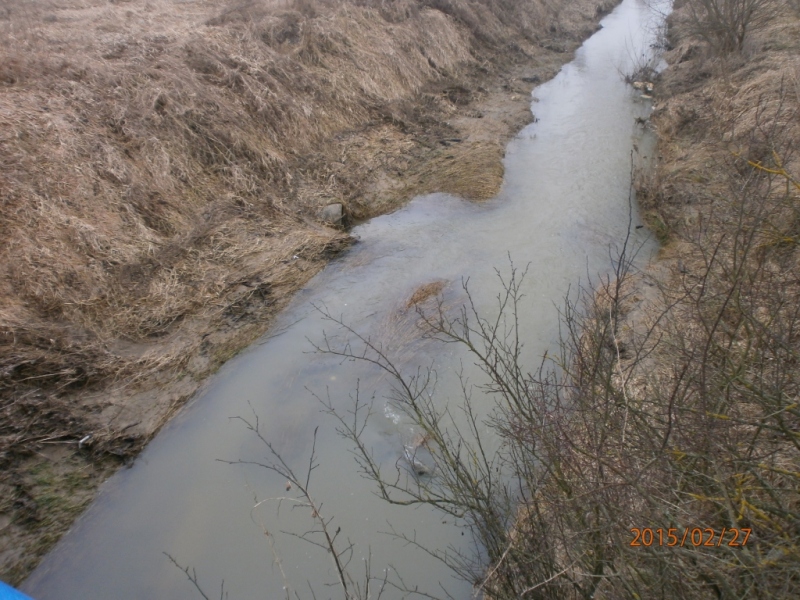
{"x":565,"y":200}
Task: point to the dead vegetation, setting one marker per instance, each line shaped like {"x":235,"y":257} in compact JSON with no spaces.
{"x":424,"y":292}
{"x":724,"y":24}
{"x":679,"y":400}
{"x":162,"y":168}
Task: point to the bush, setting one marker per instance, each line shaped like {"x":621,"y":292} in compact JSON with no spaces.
{"x":678,"y":418}
{"x":724,"y":24}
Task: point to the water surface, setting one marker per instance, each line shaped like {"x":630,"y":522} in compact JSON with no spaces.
{"x":565,"y":201}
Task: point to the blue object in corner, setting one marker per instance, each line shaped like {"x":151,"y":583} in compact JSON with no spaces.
{"x":9,"y":593}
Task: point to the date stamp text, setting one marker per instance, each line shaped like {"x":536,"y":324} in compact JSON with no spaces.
{"x":690,"y":536}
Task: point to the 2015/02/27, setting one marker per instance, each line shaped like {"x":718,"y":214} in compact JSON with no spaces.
{"x":696,"y":536}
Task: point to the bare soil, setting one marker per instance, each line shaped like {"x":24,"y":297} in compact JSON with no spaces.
{"x":162,"y":170}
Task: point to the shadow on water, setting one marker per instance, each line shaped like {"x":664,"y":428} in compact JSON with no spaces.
{"x":564,"y":202}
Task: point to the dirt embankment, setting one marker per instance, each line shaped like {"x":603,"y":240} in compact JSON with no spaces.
{"x":726,"y":118}
{"x":713,"y":111}
{"x":163,"y":166}
{"x":667,"y":438}
{"x":705,"y":352}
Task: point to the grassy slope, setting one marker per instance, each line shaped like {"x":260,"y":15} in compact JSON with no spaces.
{"x":716,"y":381}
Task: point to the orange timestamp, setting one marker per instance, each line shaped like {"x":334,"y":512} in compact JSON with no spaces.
{"x":691,"y":536}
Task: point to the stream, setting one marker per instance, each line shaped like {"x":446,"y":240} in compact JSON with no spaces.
{"x":564,"y":203}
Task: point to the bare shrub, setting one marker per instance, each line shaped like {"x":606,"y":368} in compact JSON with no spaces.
{"x":724,"y":24}
{"x":678,"y":417}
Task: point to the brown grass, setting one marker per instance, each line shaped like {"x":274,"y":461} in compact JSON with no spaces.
{"x":151,"y":162}
{"x":472,"y":171}
{"x":719,"y":108}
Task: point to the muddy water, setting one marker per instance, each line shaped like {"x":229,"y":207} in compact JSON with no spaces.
{"x":564,"y":202}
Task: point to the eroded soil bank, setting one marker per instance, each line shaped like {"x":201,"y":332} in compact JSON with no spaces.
{"x":164,"y":167}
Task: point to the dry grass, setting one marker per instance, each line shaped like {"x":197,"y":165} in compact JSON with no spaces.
{"x":402,"y":331}
{"x":472,"y":171}
{"x":719,"y":108}
{"x":157,"y":158}
{"x":149,"y":159}
{"x":424,"y":292}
